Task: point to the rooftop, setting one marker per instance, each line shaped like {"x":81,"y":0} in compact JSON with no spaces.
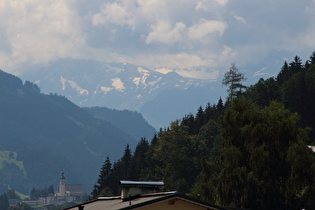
{"x":161,"y":198}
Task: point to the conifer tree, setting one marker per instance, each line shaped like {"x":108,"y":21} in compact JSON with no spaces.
{"x":233,"y":80}
{"x":296,"y":65}
{"x":104,"y":179}
{"x":138,"y":160}
{"x":284,"y":73}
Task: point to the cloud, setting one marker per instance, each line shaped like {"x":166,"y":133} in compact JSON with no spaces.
{"x":179,"y":34}
{"x":113,"y":13}
{"x":163,"y":32}
{"x":206,"y":27}
{"x":240,"y":19}
{"x":205,"y":5}
{"x":199,"y":74}
{"x":39,"y":31}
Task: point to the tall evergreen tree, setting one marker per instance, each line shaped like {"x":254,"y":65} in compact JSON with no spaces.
{"x":199,"y":120}
{"x":233,"y":80}
{"x":105,"y":180}
{"x":122,"y":168}
{"x":312,"y":58}
{"x":296,"y":65}
{"x":284,"y":73}
{"x":138,"y":160}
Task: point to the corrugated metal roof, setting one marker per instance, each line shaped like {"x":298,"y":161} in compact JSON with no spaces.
{"x":115,"y":203}
{"x":123,"y":182}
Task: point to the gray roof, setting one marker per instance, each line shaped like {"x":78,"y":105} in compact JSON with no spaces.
{"x":122,"y":182}
{"x":114,"y":203}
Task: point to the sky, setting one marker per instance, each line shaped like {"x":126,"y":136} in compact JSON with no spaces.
{"x":198,"y":38}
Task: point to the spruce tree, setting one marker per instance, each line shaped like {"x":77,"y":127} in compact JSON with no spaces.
{"x":138,"y":160}
{"x":284,"y":73}
{"x":104,"y":179}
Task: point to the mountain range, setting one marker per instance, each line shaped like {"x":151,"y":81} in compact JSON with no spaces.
{"x":42,"y":134}
{"x":160,"y":95}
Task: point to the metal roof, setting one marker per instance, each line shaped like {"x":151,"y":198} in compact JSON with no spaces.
{"x":152,"y":183}
{"x":114,"y":203}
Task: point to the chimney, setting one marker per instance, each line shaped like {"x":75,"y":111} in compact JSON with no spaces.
{"x":135,"y":188}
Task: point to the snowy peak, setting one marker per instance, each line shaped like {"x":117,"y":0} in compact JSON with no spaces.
{"x":113,"y":85}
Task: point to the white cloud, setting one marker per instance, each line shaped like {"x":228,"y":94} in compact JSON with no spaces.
{"x":39,"y":31}
{"x":206,"y":27}
{"x":240,"y":19}
{"x":113,"y":13}
{"x":163,"y":32}
{"x":261,"y":73}
{"x":199,"y":74}
{"x":206,"y":5}
{"x":222,"y":2}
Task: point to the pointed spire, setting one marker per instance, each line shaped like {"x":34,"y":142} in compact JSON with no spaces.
{"x":62,"y":175}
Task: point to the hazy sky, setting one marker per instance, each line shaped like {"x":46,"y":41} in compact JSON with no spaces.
{"x":203,"y":35}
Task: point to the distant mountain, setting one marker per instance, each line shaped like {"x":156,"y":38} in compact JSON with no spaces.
{"x":176,"y":103}
{"x":40,"y":135}
{"x":125,"y":86}
{"x":130,"y":122}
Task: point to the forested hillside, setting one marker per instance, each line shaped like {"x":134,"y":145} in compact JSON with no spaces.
{"x":130,"y":122}
{"x":40,"y":135}
{"x":249,"y":152}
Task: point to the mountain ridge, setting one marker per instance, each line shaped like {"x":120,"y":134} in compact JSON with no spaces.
{"x":120,"y":86}
{"x":49,"y":133}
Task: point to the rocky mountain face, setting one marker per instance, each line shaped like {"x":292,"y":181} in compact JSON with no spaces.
{"x":125,"y":86}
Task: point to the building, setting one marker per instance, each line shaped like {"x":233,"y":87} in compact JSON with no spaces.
{"x":145,"y":195}
{"x":66,"y":193}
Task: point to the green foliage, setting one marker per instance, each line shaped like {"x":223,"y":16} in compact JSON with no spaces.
{"x":179,"y":155}
{"x":105,"y":180}
{"x":36,"y":193}
{"x":173,"y":156}
{"x":11,"y":194}
{"x":139,"y":160}
{"x":232,"y":79}
{"x":260,"y":165}
{"x":264,"y":91}
{"x":22,"y":206}
{"x":4,"y":202}
{"x":130,"y":122}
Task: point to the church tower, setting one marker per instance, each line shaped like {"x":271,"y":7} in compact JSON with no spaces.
{"x":62,"y":185}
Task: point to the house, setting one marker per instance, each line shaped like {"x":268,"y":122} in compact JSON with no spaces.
{"x":145,"y":195}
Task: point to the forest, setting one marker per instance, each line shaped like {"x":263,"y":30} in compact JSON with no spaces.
{"x":250,"y":151}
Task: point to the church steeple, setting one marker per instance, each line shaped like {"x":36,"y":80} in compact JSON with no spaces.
{"x":62,"y":185}
{"x":62,"y":175}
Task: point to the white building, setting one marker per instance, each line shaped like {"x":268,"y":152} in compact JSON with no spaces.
{"x":66,"y":192}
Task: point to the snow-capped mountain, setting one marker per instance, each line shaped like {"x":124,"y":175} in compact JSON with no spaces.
{"x":124,"y":86}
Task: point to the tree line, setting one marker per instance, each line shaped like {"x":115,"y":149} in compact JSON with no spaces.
{"x":249,"y":152}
